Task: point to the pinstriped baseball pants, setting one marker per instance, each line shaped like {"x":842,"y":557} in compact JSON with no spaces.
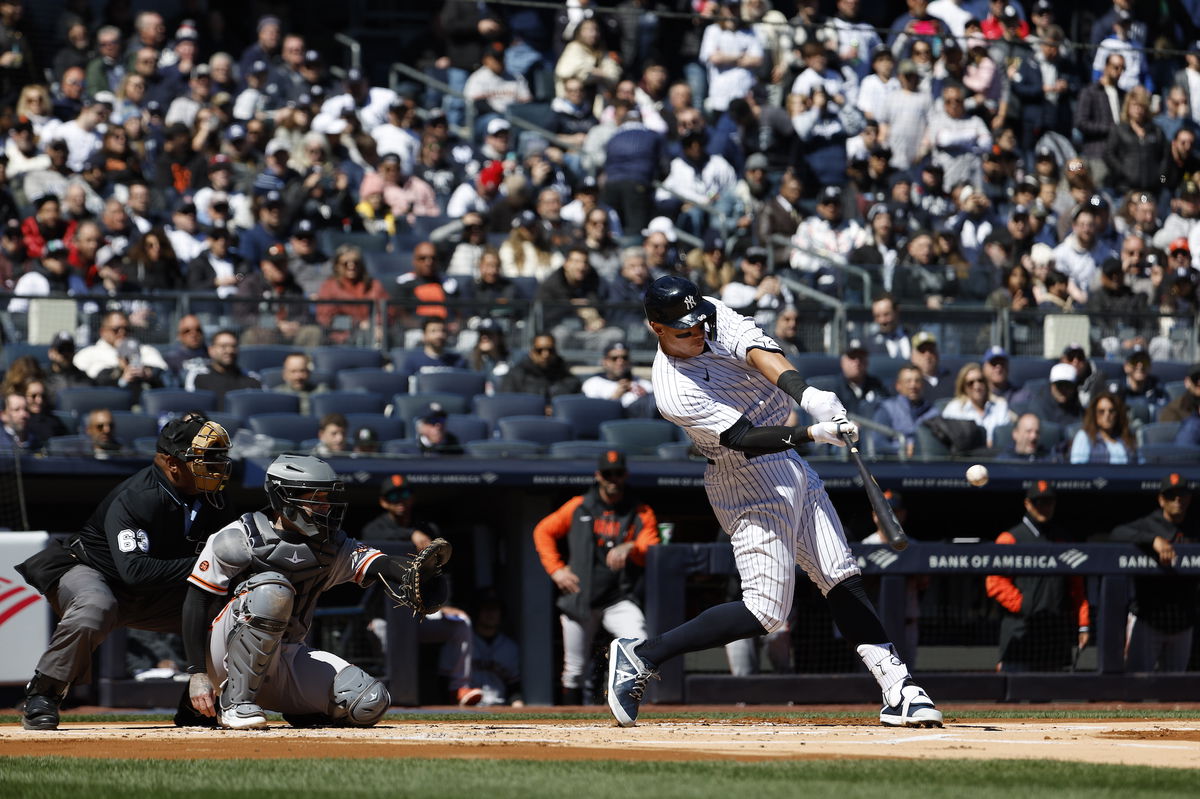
{"x":778,"y":514}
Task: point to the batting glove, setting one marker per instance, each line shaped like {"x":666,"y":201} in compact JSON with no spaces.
{"x":824,"y":406}
{"x":826,"y":433}
{"x":846,"y":427}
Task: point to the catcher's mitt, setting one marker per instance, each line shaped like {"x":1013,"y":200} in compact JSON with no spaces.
{"x":421,"y":585}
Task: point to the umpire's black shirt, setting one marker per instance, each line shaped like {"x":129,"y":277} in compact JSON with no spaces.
{"x":146,"y":535}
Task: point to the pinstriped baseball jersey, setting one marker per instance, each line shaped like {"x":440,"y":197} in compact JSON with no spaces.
{"x":774,"y":507}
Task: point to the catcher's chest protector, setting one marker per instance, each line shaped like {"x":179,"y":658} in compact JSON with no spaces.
{"x":307,"y":566}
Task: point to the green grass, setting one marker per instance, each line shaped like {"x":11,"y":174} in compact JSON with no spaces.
{"x":54,"y":778}
{"x":733,"y":714}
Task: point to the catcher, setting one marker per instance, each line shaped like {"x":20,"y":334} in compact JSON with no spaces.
{"x":280,"y":564}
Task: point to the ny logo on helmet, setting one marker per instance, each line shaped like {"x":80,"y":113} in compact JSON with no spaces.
{"x":689,"y":302}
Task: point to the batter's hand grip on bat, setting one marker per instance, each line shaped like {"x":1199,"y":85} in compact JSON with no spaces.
{"x":889,"y":525}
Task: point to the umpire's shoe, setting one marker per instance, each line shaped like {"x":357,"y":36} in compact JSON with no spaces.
{"x":243,"y":716}
{"x":627,"y":676}
{"x":914,"y":708}
{"x":42,"y":698}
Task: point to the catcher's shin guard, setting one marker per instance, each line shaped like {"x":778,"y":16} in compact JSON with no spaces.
{"x":357,"y":699}
{"x":262,"y":610}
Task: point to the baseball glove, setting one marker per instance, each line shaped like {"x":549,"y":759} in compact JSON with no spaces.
{"x":421,"y":586}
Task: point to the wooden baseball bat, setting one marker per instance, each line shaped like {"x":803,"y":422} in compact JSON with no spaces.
{"x":889,"y":525}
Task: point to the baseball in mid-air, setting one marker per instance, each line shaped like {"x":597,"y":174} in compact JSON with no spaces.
{"x":977,"y":475}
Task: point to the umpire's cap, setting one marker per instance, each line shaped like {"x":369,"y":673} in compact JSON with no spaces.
{"x":675,"y":301}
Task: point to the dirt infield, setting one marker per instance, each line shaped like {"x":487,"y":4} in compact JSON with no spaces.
{"x":1171,"y":743}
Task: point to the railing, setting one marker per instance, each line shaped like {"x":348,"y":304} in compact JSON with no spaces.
{"x":833,"y":259}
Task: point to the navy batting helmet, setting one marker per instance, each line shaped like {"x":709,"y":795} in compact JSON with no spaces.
{"x":675,"y":301}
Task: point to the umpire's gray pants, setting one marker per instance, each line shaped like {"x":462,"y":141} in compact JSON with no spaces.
{"x":89,"y":609}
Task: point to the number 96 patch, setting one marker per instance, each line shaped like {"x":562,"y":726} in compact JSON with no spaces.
{"x":129,"y":540}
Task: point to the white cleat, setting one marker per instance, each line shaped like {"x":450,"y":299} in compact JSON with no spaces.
{"x":915,"y":709}
{"x":247,"y":716}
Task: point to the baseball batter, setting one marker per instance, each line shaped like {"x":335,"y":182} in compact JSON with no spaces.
{"x":281,"y":564}
{"x":727,"y":384}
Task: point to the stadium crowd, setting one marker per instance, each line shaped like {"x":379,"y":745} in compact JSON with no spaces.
{"x":964,"y":154}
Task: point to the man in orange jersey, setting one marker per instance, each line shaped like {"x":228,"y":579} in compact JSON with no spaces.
{"x":593,"y":548}
{"x":1044,"y":616}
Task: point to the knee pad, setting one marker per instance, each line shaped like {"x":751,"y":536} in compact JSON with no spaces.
{"x":267,"y":601}
{"x":357,"y":698}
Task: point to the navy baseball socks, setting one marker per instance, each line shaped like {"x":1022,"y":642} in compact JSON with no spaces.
{"x":632,"y":661}
{"x":905,"y":704}
{"x":43,"y":695}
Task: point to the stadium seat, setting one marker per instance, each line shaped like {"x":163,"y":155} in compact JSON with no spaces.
{"x":335,"y":359}
{"x":402,"y":446}
{"x":272,"y":377}
{"x":585,"y":414}
{"x":81,"y":399}
{"x":246,"y":402}
{"x":386,"y":266}
{"x":1158,"y":433}
{"x":129,"y":425}
{"x":543,"y":430}
{"x":462,"y":382}
{"x":1112,"y":370}
{"x":492,"y":408}
{"x":346,"y":402}
{"x":13,"y":350}
{"x":1022,"y":368}
{"x":287,"y":426}
{"x":386,"y":427}
{"x":825,"y":382}
{"x":409,"y":406}
{"x":927,"y":446}
{"x":1175,"y":389}
{"x":166,"y":400}
{"x":1049,"y":435}
{"x":69,"y":446}
{"x":466,"y":427}
{"x":231,"y":422}
{"x":526,"y":287}
{"x":588,"y":450}
{"x":258,"y":357}
{"x":885,"y":368}
{"x":811,"y":364}
{"x":638,"y":436}
{"x":330,"y":239}
{"x":674,"y":451}
{"x":1169,"y":453}
{"x":374,"y":380}
{"x":1171,"y":371}
{"x":397,"y":356}
{"x":496,"y":448}
{"x":1139,"y":410}
{"x":146,"y":446}
{"x":952,"y":363}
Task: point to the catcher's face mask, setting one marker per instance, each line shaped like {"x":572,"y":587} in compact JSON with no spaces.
{"x":207,"y":458}
{"x":316,"y":514}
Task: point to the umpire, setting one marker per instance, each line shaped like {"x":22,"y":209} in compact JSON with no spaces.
{"x":128,"y":566}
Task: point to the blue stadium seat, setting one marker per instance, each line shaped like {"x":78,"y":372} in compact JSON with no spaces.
{"x":825,"y":382}
{"x":286,"y":426}
{"x":257,"y":357}
{"x":397,"y":356}
{"x":129,"y":425}
{"x":272,"y":377}
{"x":1049,"y":435}
{"x":526,"y":287}
{"x":492,"y":408}
{"x":674,"y":451}
{"x":231,"y":422}
{"x":374,"y":380}
{"x":496,"y":448}
{"x":638,"y":436}
{"x":1175,"y":389}
{"x":466,"y":427}
{"x":1112,"y":370}
{"x":334,"y":359}
{"x":1171,"y":371}
{"x":385,"y":266}
{"x":330,"y":239}
{"x":816,"y":363}
{"x":81,"y":399}
{"x":1022,"y":368}
{"x":585,"y":414}
{"x":246,"y":402}
{"x":543,"y":430}
{"x":13,"y":350}
{"x":462,"y":382}
{"x":408,"y":406}
{"x":587,"y":450}
{"x":146,"y":446}
{"x":885,"y":368}
{"x":1158,"y":433}
{"x":1169,"y":453}
{"x":402,"y":446}
{"x":927,"y":447}
{"x":69,"y":446}
{"x":167,"y":400}
{"x":346,"y":402}
{"x":386,"y":427}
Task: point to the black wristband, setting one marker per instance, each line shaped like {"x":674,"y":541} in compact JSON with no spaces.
{"x":195,"y":670}
{"x":792,"y":383}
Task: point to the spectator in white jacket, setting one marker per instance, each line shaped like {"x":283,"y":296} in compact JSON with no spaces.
{"x":958,"y":141}
{"x":732,"y":54}
{"x":695,"y":178}
{"x":824,"y":237}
